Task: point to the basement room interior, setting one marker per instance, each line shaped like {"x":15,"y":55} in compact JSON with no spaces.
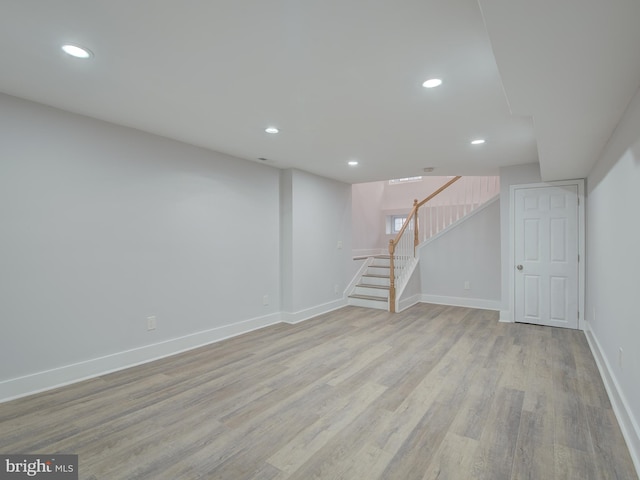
{"x":319,"y":240}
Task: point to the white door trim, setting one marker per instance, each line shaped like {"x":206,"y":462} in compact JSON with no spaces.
{"x":581,"y":245}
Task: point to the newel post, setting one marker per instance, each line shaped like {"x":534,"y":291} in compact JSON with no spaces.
{"x":392,"y":278}
{"x":416,"y":237}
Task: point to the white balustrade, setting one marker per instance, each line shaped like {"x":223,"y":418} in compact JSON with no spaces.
{"x":460,"y":199}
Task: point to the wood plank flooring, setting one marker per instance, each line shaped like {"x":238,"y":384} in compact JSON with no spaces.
{"x":434,"y":392}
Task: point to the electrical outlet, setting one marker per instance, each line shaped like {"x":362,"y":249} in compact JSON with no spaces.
{"x":335,"y":288}
{"x":339,"y":244}
{"x":467,"y":285}
{"x":265,"y":300}
{"x":151,"y":322}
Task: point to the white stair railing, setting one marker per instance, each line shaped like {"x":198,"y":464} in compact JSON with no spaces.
{"x":461,"y":198}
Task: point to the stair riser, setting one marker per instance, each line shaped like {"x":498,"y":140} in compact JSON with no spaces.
{"x":375,"y":292}
{"x":380,"y":262}
{"x":384,"y":282}
{"x":361,"y":302}
{"x":387,"y":263}
{"x":378,"y":270}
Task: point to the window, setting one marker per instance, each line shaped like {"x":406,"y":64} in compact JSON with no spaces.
{"x":398,"y":181}
{"x":396,"y":222}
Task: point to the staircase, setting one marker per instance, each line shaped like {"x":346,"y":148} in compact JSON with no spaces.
{"x":372,"y":289}
{"x":374,"y":286}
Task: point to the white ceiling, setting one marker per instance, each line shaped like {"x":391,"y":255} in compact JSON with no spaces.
{"x":341,"y":78}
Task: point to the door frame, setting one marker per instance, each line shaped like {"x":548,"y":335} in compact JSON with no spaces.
{"x":581,"y":244}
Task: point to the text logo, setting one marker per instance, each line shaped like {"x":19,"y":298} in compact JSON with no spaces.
{"x":46,"y":467}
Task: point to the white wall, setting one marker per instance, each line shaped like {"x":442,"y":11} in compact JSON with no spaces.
{"x":400,"y":197}
{"x":316,"y":270}
{"x":286,"y":240}
{"x":516,"y":175}
{"x":368,"y":219}
{"x":103,"y":226}
{"x":412,"y":292}
{"x":613,"y":265}
{"x":469,"y":251}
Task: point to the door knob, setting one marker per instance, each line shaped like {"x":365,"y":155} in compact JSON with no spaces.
{"x":519,"y":267}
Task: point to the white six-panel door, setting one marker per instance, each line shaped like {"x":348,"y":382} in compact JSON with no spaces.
{"x":546,"y":255}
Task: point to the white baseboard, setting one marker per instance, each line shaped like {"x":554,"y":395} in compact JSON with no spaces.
{"x":628,"y":423}
{"x":58,"y":377}
{"x":506,"y":316}
{"x":302,"y":315}
{"x":405,"y":303}
{"x":480,"y":303}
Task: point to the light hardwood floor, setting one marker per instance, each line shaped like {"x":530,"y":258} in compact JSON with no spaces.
{"x":431,"y":393}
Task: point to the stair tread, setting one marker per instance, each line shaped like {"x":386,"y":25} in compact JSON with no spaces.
{"x":368,"y":297}
{"x":364,"y":257}
{"x":375,"y":275}
{"x":368,"y":285}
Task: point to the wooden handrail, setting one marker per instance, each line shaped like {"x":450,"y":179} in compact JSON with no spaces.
{"x":417,"y":205}
{"x":413,"y":212}
{"x":412,"y":216}
{"x":443,"y":187}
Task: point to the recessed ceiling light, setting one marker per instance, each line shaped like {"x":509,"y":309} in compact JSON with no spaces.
{"x":352,"y":163}
{"x":271,"y":130}
{"x":432,"y":82}
{"x":477,"y":141}
{"x":76,"y":51}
